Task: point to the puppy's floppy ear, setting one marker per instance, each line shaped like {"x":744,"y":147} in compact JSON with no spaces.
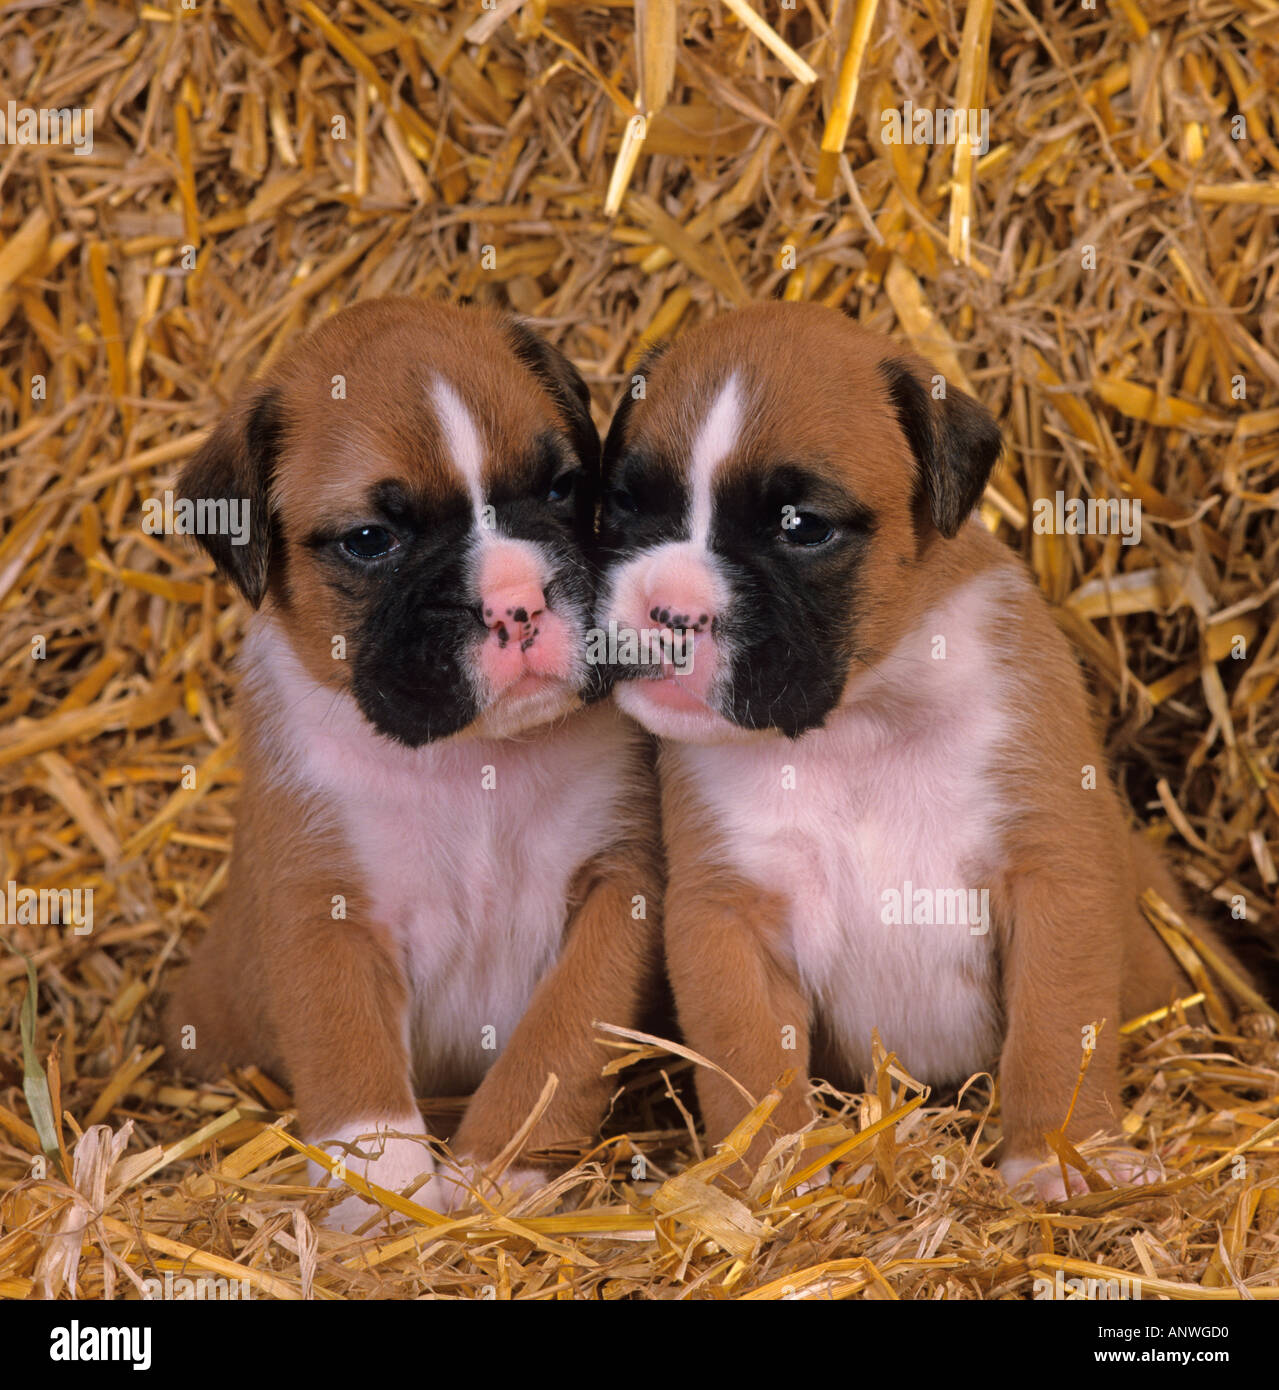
{"x":563,"y":383}
{"x":955,"y":442}
{"x":236,"y":464}
{"x":616,"y":436}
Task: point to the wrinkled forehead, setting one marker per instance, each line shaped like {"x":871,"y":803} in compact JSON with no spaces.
{"x":450,"y":420}
{"x":718,"y":414}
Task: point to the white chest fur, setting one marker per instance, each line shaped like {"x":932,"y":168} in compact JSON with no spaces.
{"x":892,"y":802}
{"x":467,"y":850}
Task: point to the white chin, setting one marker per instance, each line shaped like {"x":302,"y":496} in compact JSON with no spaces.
{"x":516,"y":714}
{"x":678,"y":725}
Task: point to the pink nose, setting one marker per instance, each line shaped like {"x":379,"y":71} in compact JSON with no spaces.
{"x":682,"y":612}
{"x":512,"y":613}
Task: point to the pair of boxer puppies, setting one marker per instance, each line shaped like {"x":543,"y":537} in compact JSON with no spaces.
{"x":448,"y":849}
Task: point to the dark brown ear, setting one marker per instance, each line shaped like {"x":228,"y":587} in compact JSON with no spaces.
{"x":563,"y":383}
{"x":236,"y":464}
{"x":955,"y":442}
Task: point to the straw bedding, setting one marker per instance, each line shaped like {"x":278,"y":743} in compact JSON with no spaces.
{"x":495,"y":154}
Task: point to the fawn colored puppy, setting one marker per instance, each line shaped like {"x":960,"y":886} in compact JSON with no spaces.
{"x":884,"y":802}
{"x":447,"y":861}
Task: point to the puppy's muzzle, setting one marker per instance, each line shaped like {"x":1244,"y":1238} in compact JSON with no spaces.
{"x":525,"y":638}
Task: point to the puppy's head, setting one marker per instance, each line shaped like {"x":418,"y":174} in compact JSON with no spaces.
{"x":770,"y":498}
{"x":421,"y":482}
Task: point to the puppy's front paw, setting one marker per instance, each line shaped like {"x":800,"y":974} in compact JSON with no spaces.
{"x":465,"y":1182}
{"x":1039,"y":1177}
{"x":388,"y":1153}
{"x":1119,"y":1167}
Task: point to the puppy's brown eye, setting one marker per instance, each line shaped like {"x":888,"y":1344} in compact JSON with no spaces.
{"x":368,"y":542}
{"x":562,"y":486}
{"x":805,"y":528}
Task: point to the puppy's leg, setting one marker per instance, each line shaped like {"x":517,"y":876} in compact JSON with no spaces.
{"x":207,"y":1031}
{"x":1061,"y":977}
{"x":607,"y":972}
{"x":341,"y":1021}
{"x":737,"y":992}
{"x":218,"y":1014}
{"x":1152,"y":977}
{"x":739,"y":1002}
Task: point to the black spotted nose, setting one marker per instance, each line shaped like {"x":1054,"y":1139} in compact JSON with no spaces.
{"x":680,"y":620}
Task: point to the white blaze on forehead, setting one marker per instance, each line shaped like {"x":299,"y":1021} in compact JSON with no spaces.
{"x":715,"y":441}
{"x":461,"y":438}
{"x":493,"y":555}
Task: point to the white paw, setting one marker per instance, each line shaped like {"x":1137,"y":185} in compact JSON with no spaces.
{"x":1119,"y":1167}
{"x":389,"y":1153}
{"x":1128,"y":1168}
{"x":463,"y":1183}
{"x":1038,"y":1175}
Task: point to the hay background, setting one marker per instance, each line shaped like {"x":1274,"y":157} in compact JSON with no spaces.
{"x":1109,"y":127}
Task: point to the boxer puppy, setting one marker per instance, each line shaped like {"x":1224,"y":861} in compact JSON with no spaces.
{"x":445,"y":866}
{"x":882,"y":728}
